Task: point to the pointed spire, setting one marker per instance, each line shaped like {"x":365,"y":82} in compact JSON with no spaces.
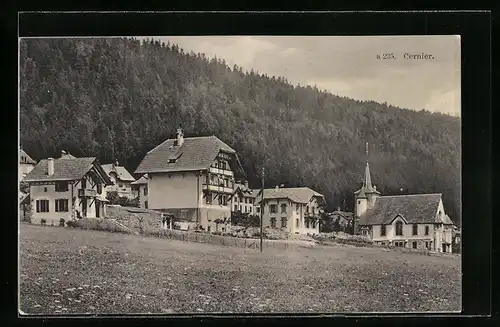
{"x":368,"y":179}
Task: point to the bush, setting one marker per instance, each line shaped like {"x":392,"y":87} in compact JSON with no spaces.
{"x":43,"y":221}
{"x":61,"y":222}
{"x":72,"y":223}
{"x":113,"y":197}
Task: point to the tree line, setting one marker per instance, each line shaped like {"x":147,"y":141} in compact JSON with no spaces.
{"x":117,"y":98}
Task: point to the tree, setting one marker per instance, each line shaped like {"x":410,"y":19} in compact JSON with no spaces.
{"x":113,"y":197}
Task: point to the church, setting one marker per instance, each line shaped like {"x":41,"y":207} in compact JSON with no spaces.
{"x":415,"y":221}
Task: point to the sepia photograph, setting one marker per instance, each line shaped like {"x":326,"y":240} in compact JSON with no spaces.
{"x":170,"y":175}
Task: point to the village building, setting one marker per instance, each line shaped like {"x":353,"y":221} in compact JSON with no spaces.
{"x":415,"y":221}
{"x":142,"y":186}
{"x":343,"y":218}
{"x":66,"y":188}
{"x":192,"y":179}
{"x":293,"y":210}
{"x":243,"y":199}
{"x":26,"y":164}
{"x":121,"y":179}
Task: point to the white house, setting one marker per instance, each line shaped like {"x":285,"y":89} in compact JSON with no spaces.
{"x":243,"y":199}
{"x":415,"y":221}
{"x":121,"y":179}
{"x":294,"y":210}
{"x":192,"y":179}
{"x":26,"y":164}
{"x":142,"y":185}
{"x":66,"y":188}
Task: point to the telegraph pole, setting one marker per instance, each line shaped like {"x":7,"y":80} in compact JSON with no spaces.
{"x":261,"y":209}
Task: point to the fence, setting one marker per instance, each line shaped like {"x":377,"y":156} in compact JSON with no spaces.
{"x":247,"y":243}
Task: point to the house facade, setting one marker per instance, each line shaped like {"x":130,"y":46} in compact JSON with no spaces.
{"x":344,"y":219}
{"x":142,"y":191}
{"x":415,"y":221}
{"x":66,"y":188}
{"x":192,"y":179}
{"x":294,"y":210}
{"x":243,"y":199}
{"x":122,"y":180}
{"x":26,"y":164}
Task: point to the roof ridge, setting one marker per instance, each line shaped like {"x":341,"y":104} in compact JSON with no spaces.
{"x":393,"y":196}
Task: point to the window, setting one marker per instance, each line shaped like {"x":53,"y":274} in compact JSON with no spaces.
{"x":307,"y":209}
{"x":99,"y":188}
{"x":283,"y":222}
{"x":382,"y":230}
{"x":272,"y":208}
{"x":42,"y":205}
{"x":246,"y":200}
{"x":45,"y":189}
{"x":250,"y":210}
{"x":297,"y":207}
{"x":273,"y":222}
{"x":307,"y":223}
{"x":399,"y":228}
{"x":297,"y":223}
{"x":208,"y":198}
{"x":146,"y":190}
{"x":61,"y":205}
{"x":313,"y":224}
{"x":241,"y":207}
{"x":283,"y":208}
{"x":426,"y":245}
{"x":258,"y":209}
{"x":359,"y":201}
{"x":61,"y":186}
{"x":426,"y":230}
{"x":415,"y":229}
{"x":246,"y":209}
{"x":146,"y":204}
{"x":414,"y":245}
{"x":314,"y":210}
{"x":224,"y":200}
{"x":235,"y":207}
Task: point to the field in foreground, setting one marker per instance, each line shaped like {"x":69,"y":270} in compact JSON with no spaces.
{"x":75,"y":271}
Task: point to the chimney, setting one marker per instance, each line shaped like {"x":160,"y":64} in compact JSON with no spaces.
{"x":116,"y":163}
{"x":50,"y":166}
{"x":246,"y":184}
{"x":180,"y":137}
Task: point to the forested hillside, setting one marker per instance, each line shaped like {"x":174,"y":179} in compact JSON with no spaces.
{"x":121,"y":97}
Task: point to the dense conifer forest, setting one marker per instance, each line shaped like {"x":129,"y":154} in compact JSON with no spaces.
{"x":119,"y":98}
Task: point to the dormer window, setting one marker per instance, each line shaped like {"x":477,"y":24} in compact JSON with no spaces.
{"x":173,"y":158}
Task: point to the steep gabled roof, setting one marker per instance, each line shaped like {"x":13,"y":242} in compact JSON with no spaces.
{"x":415,"y":208}
{"x":65,"y":170}
{"x":121,"y":172}
{"x":195,"y":153}
{"x":24,"y":158}
{"x":296,"y":194}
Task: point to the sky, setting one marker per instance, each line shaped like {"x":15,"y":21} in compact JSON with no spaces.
{"x":348,"y":65}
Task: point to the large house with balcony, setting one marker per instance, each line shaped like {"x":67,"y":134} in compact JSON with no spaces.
{"x":415,"y":221}
{"x":294,"y":210}
{"x":122,"y":180}
{"x":192,"y":179}
{"x":66,"y":188}
{"x":26,"y":164}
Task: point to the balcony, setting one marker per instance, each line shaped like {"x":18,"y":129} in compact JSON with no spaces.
{"x":217,"y":188}
{"x":219,"y":171}
{"x":87,"y":193}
